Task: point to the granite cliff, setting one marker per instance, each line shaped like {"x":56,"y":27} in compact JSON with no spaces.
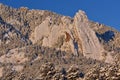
{"x":31,"y":38}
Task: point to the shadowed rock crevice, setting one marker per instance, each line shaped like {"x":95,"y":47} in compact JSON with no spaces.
{"x":107,"y":36}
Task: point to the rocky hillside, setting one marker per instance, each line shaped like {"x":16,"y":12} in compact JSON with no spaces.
{"x":43,"y":45}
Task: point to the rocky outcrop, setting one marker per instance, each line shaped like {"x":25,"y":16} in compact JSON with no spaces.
{"x":76,"y":37}
{"x":90,"y":45}
{"x":52,"y":35}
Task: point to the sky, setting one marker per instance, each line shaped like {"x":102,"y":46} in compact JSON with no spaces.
{"x":103,"y":11}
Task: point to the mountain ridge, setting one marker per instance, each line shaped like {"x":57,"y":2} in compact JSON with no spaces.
{"x":31,"y":38}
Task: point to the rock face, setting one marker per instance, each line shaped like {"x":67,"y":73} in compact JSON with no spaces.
{"x":69,"y":36}
{"x":88,"y":40}
{"x":52,"y":35}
